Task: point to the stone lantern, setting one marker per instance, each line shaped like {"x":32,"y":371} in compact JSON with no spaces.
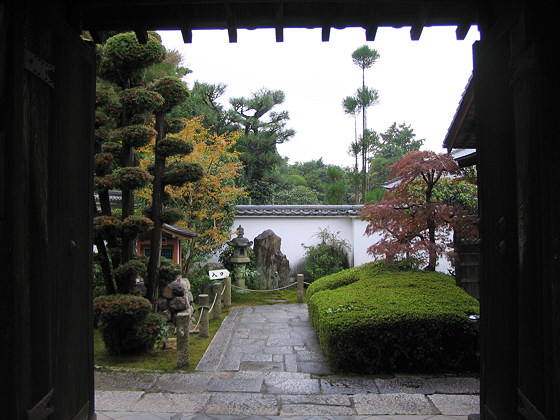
{"x":240,"y":258}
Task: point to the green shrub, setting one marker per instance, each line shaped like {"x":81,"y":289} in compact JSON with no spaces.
{"x":327,"y":257}
{"x":350,"y":276}
{"x":124,"y":323}
{"x":130,"y":270}
{"x":168,"y":272}
{"x":198,"y":278}
{"x":379,"y":318}
{"x":155,"y":331}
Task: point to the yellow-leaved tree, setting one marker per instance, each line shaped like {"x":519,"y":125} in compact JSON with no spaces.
{"x":209,"y":203}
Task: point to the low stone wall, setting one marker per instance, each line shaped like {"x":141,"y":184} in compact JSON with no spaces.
{"x":176,"y":297}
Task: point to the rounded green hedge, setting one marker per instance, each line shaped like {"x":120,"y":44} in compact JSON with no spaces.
{"x":125,"y":323}
{"x":376,"y":319}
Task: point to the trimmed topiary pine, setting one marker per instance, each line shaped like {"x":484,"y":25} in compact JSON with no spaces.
{"x":137,"y":225}
{"x":132,"y":177}
{"x":173,"y":91}
{"x":127,"y":273}
{"x":135,"y":135}
{"x":122,"y":57}
{"x":107,"y":98}
{"x":175,"y":125}
{"x":179,"y":173}
{"x":171,"y":146}
{"x":106,"y":225}
{"x":140,"y":100}
{"x":104,"y":163}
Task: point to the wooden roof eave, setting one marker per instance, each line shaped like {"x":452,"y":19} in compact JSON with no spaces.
{"x":178,"y":232}
{"x":98,"y":16}
{"x":461,"y":133}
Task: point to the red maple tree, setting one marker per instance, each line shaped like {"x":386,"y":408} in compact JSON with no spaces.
{"x":413,"y":219}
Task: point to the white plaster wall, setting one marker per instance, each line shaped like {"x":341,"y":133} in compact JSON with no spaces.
{"x":295,"y":231}
{"x":362,"y":242}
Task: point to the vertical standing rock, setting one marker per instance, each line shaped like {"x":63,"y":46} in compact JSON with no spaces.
{"x":270,"y":262}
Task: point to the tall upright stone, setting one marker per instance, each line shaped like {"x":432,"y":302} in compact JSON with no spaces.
{"x":269,"y":260}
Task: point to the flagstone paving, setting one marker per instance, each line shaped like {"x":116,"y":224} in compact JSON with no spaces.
{"x":265,"y":362}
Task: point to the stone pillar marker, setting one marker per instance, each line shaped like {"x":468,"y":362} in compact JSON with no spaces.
{"x":183,"y":320}
{"x":240,"y":258}
{"x":217,"y":299}
{"x":204,"y":326}
{"x":300,"y":288}
{"x":227,"y":292}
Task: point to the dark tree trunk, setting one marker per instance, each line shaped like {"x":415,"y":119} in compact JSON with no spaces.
{"x":432,"y":254}
{"x":125,"y":286}
{"x":105,"y":202}
{"x":105,"y":266}
{"x":157,"y":205}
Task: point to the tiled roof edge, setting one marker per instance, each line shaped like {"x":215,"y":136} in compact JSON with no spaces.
{"x":297,"y":210}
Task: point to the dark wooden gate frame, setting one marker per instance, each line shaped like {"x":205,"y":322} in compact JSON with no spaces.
{"x":516,"y":91}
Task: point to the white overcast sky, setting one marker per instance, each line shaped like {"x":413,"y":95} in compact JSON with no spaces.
{"x":419,"y":82}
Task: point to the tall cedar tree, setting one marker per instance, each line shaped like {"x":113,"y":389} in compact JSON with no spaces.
{"x":350,"y":107}
{"x":412,"y":218}
{"x":363,"y":57}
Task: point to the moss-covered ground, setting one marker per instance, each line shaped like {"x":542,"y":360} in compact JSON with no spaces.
{"x":165,"y":359}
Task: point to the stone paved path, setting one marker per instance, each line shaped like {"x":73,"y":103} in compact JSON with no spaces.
{"x":271,"y":338}
{"x":265,"y":361}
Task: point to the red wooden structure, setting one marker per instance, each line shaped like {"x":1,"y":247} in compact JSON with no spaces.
{"x":171,"y":239}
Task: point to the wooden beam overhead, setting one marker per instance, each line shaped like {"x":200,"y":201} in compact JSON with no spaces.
{"x":419,"y":23}
{"x":141,"y":36}
{"x":325,"y":33}
{"x":279,"y":34}
{"x":98,"y":37}
{"x":372,"y":22}
{"x":187,"y":35}
{"x":231,"y":15}
{"x":371,"y":32}
{"x":462,"y":31}
{"x":416,"y":32}
{"x":279,"y":22}
{"x":231,"y":24}
{"x":232,"y":35}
